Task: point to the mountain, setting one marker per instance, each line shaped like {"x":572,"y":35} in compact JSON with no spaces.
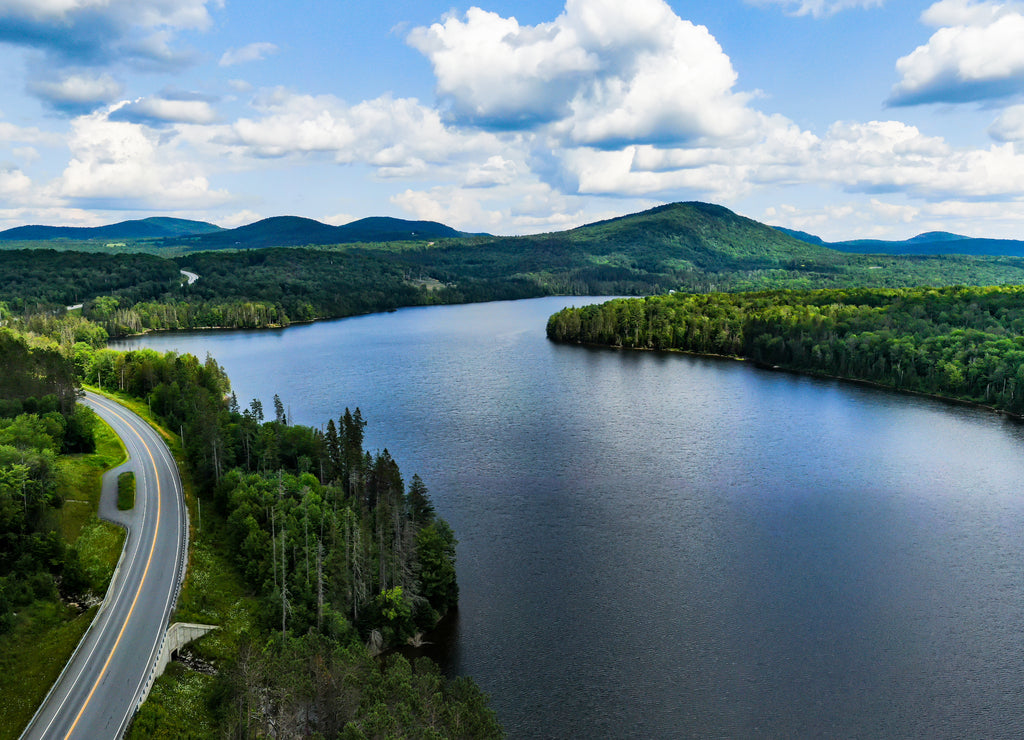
{"x":147,"y":228}
{"x":929,"y":243}
{"x":801,"y":235}
{"x":294,"y":231}
{"x":694,"y":234}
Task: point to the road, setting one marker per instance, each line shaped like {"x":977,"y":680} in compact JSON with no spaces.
{"x":101,"y":686}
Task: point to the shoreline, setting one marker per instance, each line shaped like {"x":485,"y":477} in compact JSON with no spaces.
{"x":811,"y":374}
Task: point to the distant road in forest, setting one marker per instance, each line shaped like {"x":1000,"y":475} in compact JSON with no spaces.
{"x":103,"y":683}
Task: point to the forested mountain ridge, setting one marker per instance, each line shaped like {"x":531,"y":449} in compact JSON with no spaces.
{"x":294,"y":231}
{"x":686,"y":247}
{"x":146,"y":228}
{"x":929,"y":243}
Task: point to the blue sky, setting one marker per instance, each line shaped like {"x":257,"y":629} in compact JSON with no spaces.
{"x":845,"y":118}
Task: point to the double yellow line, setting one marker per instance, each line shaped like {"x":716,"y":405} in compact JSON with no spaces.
{"x":145,"y":572}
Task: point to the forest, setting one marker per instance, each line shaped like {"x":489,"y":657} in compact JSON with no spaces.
{"x":961,"y":342}
{"x":39,"y":422}
{"x":335,"y":557}
{"x":335,"y":549}
{"x":687,"y":247}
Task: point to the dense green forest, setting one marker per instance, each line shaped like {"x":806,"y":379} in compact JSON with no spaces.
{"x":36,"y":280}
{"x":38,"y":422}
{"x":332,"y":555}
{"x":691,"y":247}
{"x":960,"y":342}
{"x":56,"y":557}
{"x":335,"y":550}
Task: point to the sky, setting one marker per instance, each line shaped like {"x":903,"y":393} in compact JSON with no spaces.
{"x":843,"y":118}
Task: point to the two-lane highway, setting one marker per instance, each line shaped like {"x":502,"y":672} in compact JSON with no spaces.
{"x":101,"y":687}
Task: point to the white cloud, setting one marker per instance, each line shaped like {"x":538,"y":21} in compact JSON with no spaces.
{"x":181,"y":14}
{"x":14,"y":184}
{"x":819,"y":8}
{"x":75,"y":35}
{"x":9,"y":132}
{"x":873,"y":157}
{"x":521,"y":207}
{"x":1009,"y":126}
{"x":338,"y":219}
{"x":603,"y":74}
{"x":892,"y":156}
{"x":26,"y":154}
{"x":399,"y":137}
{"x":495,"y":171}
{"x":250,"y":53}
{"x":160,"y":109}
{"x":127,"y":165}
{"x":886,"y":219}
{"x":81,"y":91}
{"x":239,"y":218}
{"x":977,"y":54}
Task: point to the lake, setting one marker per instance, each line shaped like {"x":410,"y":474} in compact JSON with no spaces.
{"x":660,"y":545}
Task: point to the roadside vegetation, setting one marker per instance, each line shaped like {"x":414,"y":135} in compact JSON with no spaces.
{"x":56,"y":557}
{"x":126,"y":491}
{"x":308,"y":551}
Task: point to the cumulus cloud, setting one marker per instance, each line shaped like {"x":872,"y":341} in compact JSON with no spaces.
{"x":250,"y":53}
{"x":125,"y":165}
{"x":518,"y":208}
{"x":9,"y":132}
{"x":76,"y":92}
{"x":167,"y":108}
{"x":977,"y":54}
{"x":602,"y":74}
{"x":819,"y":8}
{"x":893,"y":219}
{"x":1009,"y":126}
{"x":14,"y":183}
{"x":870,"y":158}
{"x":399,"y":137}
{"x":83,"y":34}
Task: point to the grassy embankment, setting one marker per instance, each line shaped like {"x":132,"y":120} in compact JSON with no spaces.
{"x":45,"y":634}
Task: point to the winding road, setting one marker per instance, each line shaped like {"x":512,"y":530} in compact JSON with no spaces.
{"x":111,"y":671}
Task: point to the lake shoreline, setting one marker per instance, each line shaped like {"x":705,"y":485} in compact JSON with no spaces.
{"x":811,"y":374}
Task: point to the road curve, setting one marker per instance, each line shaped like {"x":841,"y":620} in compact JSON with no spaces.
{"x":105,"y":680}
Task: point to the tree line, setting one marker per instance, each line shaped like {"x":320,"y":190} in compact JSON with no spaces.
{"x":337,"y":548}
{"x":962,"y":342}
{"x":342,"y":556}
{"x":39,"y":422}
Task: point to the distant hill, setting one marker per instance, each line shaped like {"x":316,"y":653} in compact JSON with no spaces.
{"x":293,"y":231}
{"x":929,"y":243}
{"x":801,"y":235}
{"x":147,"y":228}
{"x":704,"y":235}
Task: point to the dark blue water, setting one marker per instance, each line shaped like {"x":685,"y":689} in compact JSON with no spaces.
{"x":656,"y":545}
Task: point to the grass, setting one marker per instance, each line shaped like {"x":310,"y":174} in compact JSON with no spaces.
{"x":126,"y":491}
{"x":213,"y":593}
{"x":176,"y":708}
{"x":99,"y":548}
{"x":79,"y":481}
{"x":32,"y":655}
{"x":46,"y":633}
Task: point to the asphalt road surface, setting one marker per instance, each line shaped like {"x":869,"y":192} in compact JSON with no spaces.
{"x":102,"y":685}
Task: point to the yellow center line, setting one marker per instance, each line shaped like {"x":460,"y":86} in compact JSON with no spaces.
{"x":142,"y":582}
